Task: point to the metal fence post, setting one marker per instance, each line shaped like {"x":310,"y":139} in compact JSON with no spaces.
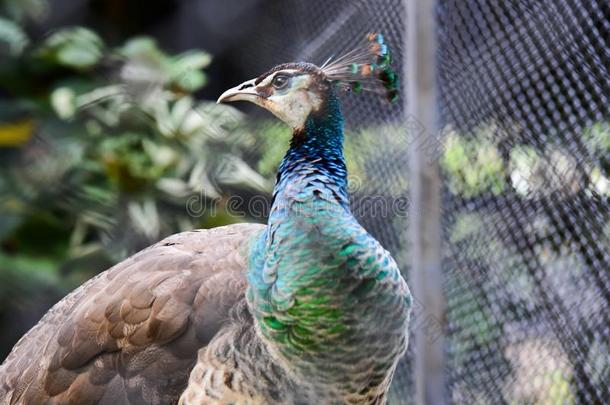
{"x":425,"y":198}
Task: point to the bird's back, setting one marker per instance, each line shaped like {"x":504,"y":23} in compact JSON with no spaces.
{"x":131,"y":334}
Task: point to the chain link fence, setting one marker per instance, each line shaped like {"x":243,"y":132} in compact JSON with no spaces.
{"x":524,"y":89}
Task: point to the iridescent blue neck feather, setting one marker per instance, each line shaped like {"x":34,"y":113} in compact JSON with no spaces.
{"x":318,"y":146}
{"x":328,"y":300}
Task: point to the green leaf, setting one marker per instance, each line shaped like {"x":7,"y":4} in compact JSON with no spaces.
{"x":185,"y":70}
{"x":190,"y":81}
{"x":13,"y":36}
{"x":193,"y":60}
{"x":63,"y":100}
{"x":78,"y":57}
{"x":473,"y":164}
{"x":75,"y":47}
{"x":141,"y":46}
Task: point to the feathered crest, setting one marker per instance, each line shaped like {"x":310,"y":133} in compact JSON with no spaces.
{"x":365,"y":68}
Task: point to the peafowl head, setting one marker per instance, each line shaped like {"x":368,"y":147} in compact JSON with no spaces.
{"x":294,"y":91}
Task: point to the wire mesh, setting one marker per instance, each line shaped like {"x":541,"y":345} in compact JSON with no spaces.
{"x":524,"y":91}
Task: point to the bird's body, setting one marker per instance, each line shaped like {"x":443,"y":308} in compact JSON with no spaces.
{"x":309,"y":309}
{"x":325,"y":293}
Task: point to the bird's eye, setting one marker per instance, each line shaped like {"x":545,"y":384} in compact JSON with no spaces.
{"x":280,"y":81}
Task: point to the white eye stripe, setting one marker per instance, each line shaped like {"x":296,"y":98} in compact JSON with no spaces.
{"x":267,"y":80}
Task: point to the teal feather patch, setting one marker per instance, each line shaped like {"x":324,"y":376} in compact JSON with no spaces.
{"x":323,"y":292}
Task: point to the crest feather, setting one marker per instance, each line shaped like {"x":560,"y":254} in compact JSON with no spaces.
{"x":365,"y":68}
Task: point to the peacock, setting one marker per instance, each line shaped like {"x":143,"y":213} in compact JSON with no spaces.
{"x":309,"y":309}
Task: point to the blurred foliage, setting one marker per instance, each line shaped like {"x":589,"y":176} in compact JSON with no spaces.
{"x":478,"y":163}
{"x":597,"y":139}
{"x":497,"y":176}
{"x":102,"y":149}
{"x":474,"y":165}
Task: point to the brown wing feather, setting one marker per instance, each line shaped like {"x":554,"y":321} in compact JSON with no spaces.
{"x":131,"y":334}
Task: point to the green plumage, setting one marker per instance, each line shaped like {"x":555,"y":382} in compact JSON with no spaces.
{"x":327,"y":297}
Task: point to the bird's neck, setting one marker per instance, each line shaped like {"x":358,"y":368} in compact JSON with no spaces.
{"x":314,"y":307}
{"x":316,"y":151}
{"x":288,"y":279}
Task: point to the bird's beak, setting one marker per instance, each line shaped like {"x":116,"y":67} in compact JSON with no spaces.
{"x":244,"y":92}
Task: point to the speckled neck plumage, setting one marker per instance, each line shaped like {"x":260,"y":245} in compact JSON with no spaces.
{"x":328,"y":300}
{"x":318,"y":146}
